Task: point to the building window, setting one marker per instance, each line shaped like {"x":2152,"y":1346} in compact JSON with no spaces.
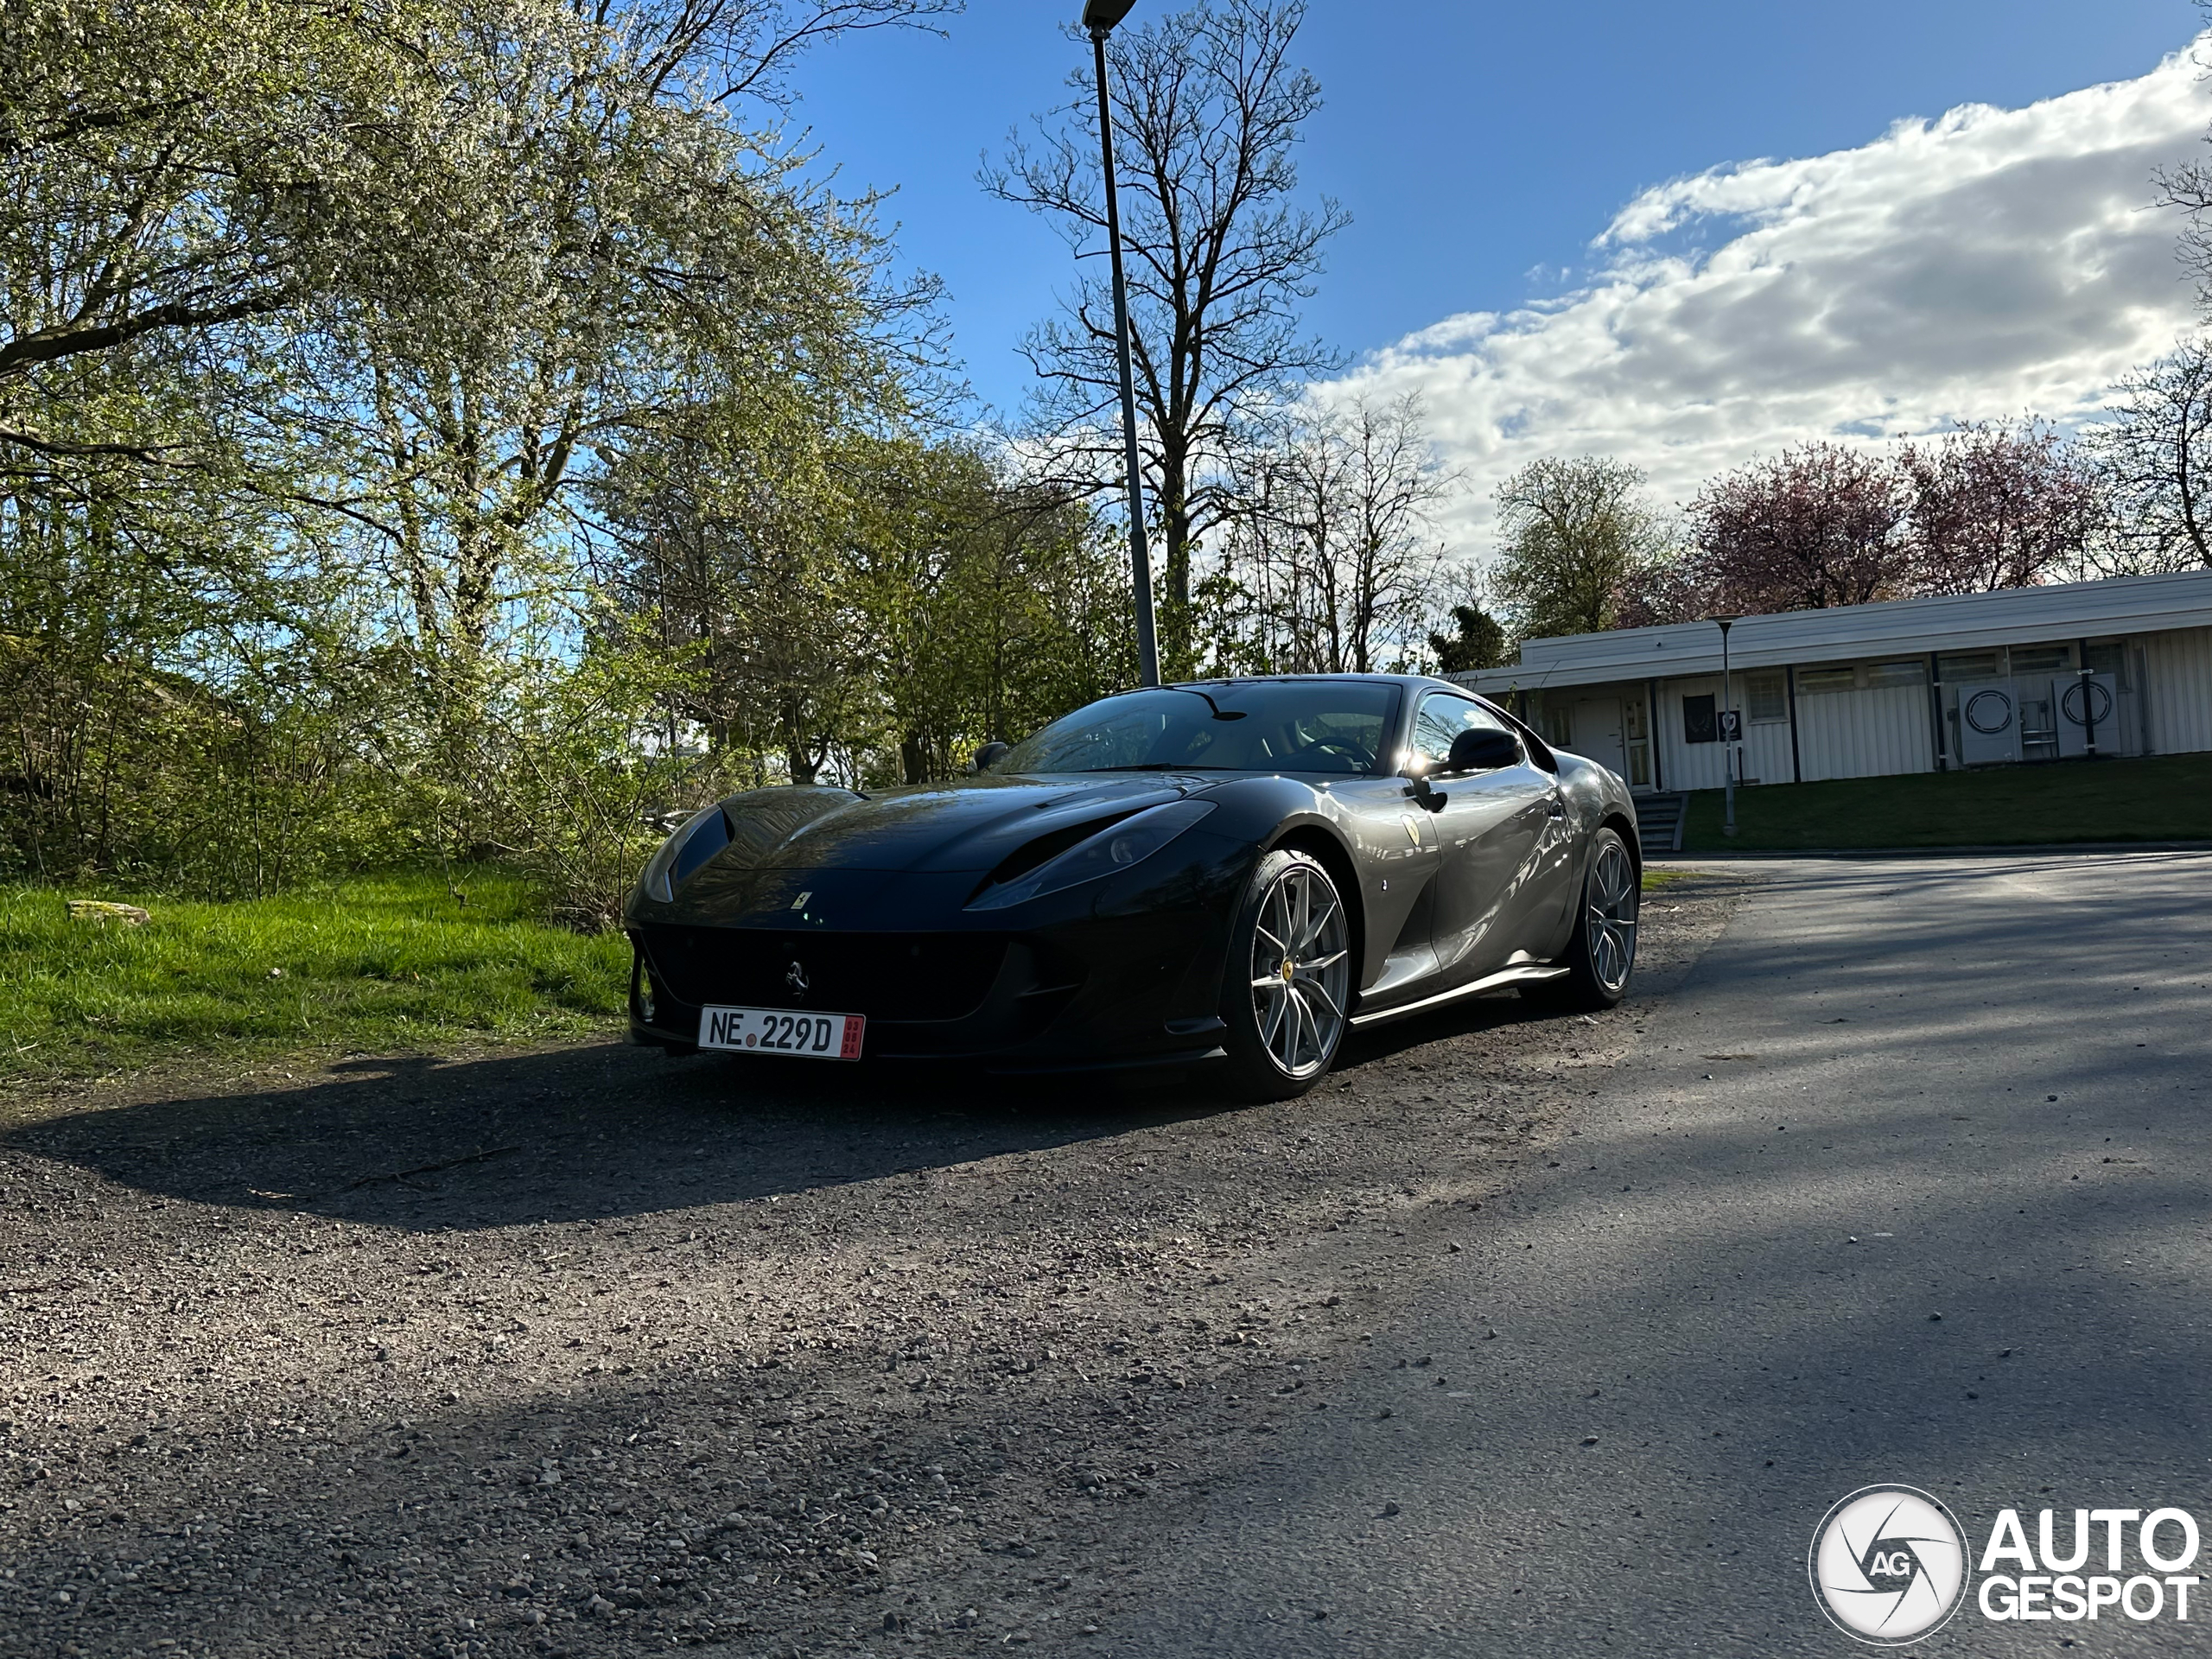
{"x":1559,"y":727}
{"x":1697,"y":724}
{"x":2042,"y":659}
{"x":1969,"y":665}
{"x":1765,"y":698}
{"x":1905,"y":673}
{"x":1814,"y":680}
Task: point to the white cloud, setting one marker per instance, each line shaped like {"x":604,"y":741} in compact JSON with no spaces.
{"x":1990,"y":262}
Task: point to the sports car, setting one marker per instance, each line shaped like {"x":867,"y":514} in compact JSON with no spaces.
{"x":1237,"y":871}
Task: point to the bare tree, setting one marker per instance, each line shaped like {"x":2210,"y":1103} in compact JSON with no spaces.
{"x":2154,"y":457}
{"x":1206,"y":110}
{"x":735,"y":49}
{"x":1330,"y":539}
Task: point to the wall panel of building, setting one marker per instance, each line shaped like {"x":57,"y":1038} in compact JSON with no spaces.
{"x":1702,"y":766}
{"x":1686,"y":765}
{"x":2177,"y":693}
{"x":1865,"y":733}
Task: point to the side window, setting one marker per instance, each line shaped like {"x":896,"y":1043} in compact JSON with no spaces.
{"x":1443,"y":717}
{"x":1768,"y":697}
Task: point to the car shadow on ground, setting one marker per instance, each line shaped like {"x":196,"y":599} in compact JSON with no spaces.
{"x":606,"y":1130}
{"x":594,"y":1132}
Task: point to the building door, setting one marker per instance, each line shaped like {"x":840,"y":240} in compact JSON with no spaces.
{"x":1598,"y":729}
{"x":1635,"y":732}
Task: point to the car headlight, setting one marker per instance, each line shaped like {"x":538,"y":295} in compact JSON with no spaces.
{"x":680,"y":856}
{"x":1122,"y":843}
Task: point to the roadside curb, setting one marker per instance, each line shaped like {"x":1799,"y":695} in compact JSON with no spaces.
{"x":2026,"y":849}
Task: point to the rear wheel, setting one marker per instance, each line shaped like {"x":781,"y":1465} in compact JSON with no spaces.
{"x":1603,"y":953}
{"x":1288,"y":981}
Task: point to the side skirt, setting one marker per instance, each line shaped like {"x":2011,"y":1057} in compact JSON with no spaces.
{"x":1529,"y":973}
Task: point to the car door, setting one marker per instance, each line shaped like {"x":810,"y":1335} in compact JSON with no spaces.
{"x":1497,"y":892}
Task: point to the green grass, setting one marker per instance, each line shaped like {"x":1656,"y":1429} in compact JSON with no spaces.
{"x":376,"y":963}
{"x":2165,"y":798}
{"x":1655,"y":880}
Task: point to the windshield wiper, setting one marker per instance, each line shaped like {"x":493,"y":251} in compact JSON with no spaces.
{"x":1162,"y":766}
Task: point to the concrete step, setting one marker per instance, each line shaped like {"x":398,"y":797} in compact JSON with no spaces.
{"x":1659,"y":819}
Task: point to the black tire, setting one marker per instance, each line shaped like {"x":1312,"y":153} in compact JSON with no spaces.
{"x":1292,"y":932}
{"x":1601,"y":957}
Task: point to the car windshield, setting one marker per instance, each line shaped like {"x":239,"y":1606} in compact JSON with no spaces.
{"x":1233,"y":725}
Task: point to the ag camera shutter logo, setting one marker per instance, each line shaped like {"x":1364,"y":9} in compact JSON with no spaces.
{"x":1888,"y":1565}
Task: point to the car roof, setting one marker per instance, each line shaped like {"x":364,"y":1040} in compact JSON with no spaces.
{"x":1294,"y":679}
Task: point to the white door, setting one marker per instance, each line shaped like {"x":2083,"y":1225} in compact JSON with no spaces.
{"x":1989,"y":724}
{"x":1598,"y":732}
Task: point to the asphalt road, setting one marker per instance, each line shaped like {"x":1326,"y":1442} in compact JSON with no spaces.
{"x":1911,"y":1186}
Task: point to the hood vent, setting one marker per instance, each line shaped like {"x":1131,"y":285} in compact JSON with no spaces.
{"x":1027,"y":856}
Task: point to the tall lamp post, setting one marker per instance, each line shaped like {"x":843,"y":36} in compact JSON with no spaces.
{"x":1099,"y":17}
{"x":1727,"y":729}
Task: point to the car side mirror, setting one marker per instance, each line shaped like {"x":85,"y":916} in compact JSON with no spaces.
{"x":1482,"y":750}
{"x":989,"y":754}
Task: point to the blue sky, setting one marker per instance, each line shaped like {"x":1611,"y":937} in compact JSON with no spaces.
{"x":1479,"y":147}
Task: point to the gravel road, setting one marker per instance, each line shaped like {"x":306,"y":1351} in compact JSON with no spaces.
{"x":585,"y":1351}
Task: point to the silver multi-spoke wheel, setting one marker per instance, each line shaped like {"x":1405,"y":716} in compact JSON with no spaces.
{"x":1301,"y":971}
{"x":1610,"y":924}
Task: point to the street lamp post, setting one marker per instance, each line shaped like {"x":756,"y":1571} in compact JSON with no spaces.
{"x":1099,"y":17}
{"x":1727,"y":733}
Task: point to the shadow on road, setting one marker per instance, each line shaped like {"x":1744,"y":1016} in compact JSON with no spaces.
{"x":597,"y":1131}
{"x":609,"y":1130}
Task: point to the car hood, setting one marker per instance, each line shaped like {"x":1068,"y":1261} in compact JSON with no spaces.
{"x":968,"y":825}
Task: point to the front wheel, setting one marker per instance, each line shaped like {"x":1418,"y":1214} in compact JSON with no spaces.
{"x":1288,"y":981}
{"x":1603,"y":953}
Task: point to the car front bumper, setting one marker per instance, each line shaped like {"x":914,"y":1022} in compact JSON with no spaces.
{"x":1098,"y":993}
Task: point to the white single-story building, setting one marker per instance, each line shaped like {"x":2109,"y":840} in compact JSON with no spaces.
{"x":2119,"y":667}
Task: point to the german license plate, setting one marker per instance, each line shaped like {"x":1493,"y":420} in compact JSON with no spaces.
{"x":779,"y":1031}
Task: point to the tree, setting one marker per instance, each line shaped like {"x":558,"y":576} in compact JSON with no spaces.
{"x":1478,"y":641}
{"x":2153,"y":458}
{"x":1207,"y":109}
{"x":725,"y":530}
{"x":182,"y":172}
{"x":1329,"y":544}
{"x":1575,"y":532}
{"x":339,"y":348}
{"x":1818,"y":526}
{"x":647,"y":246}
{"x":1993,"y":505}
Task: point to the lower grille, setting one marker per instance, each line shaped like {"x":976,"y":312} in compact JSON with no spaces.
{"x":883,"y":975}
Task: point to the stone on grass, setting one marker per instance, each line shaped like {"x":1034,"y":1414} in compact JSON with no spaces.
{"x":100,"y":910}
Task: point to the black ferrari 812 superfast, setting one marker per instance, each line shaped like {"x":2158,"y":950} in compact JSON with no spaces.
{"x":1233,"y":871}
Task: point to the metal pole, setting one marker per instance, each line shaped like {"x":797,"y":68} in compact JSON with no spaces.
{"x":1140,"y":555}
{"x":1728,"y":744}
{"x":2089,"y":684}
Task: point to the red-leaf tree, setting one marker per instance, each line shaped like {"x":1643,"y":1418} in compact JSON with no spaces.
{"x":1819,"y":525}
{"x":1995,"y":505}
